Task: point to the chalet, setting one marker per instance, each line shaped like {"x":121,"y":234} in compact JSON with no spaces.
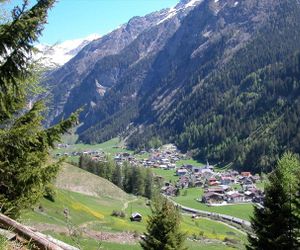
{"x":188,"y":167}
{"x":226,"y":180}
{"x":246,"y":181}
{"x":213,"y":181}
{"x":169,"y":190}
{"x":235,"y":198}
{"x":171,"y":166}
{"x":197,"y":169}
{"x":126,"y":154}
{"x":246,"y":174}
{"x":136,"y":217}
{"x":183,"y":182}
{"x":219,"y":190}
{"x":163,"y":166}
{"x":213,"y":198}
{"x":249,"y":195}
{"x":198,"y":183}
{"x":181,"y":172}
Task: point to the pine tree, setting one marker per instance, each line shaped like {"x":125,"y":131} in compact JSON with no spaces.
{"x":276,"y":225}
{"x":163,"y":228}
{"x":138,"y":181}
{"x":117,"y":177}
{"x":25,"y":167}
{"x":149,"y":184}
{"x":127,"y":180}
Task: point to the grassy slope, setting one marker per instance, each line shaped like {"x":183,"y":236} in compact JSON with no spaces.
{"x":109,"y":147}
{"x":189,"y":161}
{"x":168,"y":175}
{"x":112,"y":146}
{"x":77,"y":180}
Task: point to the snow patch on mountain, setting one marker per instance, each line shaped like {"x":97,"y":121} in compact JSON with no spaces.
{"x":60,"y":53}
{"x":192,"y":3}
{"x":180,"y":7}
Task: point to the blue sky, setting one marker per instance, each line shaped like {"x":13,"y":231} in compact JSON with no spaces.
{"x":70,"y":19}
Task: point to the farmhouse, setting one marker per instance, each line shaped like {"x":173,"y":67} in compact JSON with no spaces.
{"x":181,"y":172}
{"x":136,"y":217}
{"x":213,"y":198}
{"x":226,"y":180}
{"x":235,"y":198}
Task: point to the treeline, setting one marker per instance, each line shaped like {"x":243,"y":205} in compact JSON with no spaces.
{"x":132,"y":179}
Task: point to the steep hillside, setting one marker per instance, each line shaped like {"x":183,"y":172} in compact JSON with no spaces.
{"x":102,"y":63}
{"x":77,"y":180}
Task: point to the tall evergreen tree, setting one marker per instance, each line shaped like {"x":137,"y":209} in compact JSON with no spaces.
{"x":163,"y":228}
{"x":149,"y":183}
{"x":276,"y":225}
{"x":127,"y":180}
{"x":24,"y":144}
{"x":117,"y":176}
{"x":138,"y":181}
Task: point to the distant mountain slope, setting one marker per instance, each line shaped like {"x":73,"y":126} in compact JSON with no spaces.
{"x":219,"y":78}
{"x":77,"y":180}
{"x":119,"y":59}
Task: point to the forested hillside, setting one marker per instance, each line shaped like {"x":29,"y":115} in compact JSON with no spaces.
{"x":247,"y":110}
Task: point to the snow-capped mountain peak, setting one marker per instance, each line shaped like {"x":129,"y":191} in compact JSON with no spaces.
{"x":60,"y":53}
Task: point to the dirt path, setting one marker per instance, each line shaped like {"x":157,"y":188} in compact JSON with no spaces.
{"x":125,"y":206}
{"x":121,"y":237}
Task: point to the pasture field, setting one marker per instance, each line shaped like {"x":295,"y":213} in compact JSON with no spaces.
{"x":112,"y":146}
{"x":168,"y":175}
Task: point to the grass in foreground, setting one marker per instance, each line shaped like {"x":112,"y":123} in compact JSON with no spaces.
{"x":91,"y":244}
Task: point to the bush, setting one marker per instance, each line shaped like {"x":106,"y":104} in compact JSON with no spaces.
{"x":116,"y":213}
{"x":50,"y":193}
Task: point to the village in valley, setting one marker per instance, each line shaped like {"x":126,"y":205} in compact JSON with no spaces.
{"x":219,"y":187}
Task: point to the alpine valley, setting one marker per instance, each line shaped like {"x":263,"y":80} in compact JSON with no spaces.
{"x":219,"y":78}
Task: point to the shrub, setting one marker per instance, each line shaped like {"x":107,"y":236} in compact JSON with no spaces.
{"x":116,"y":213}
